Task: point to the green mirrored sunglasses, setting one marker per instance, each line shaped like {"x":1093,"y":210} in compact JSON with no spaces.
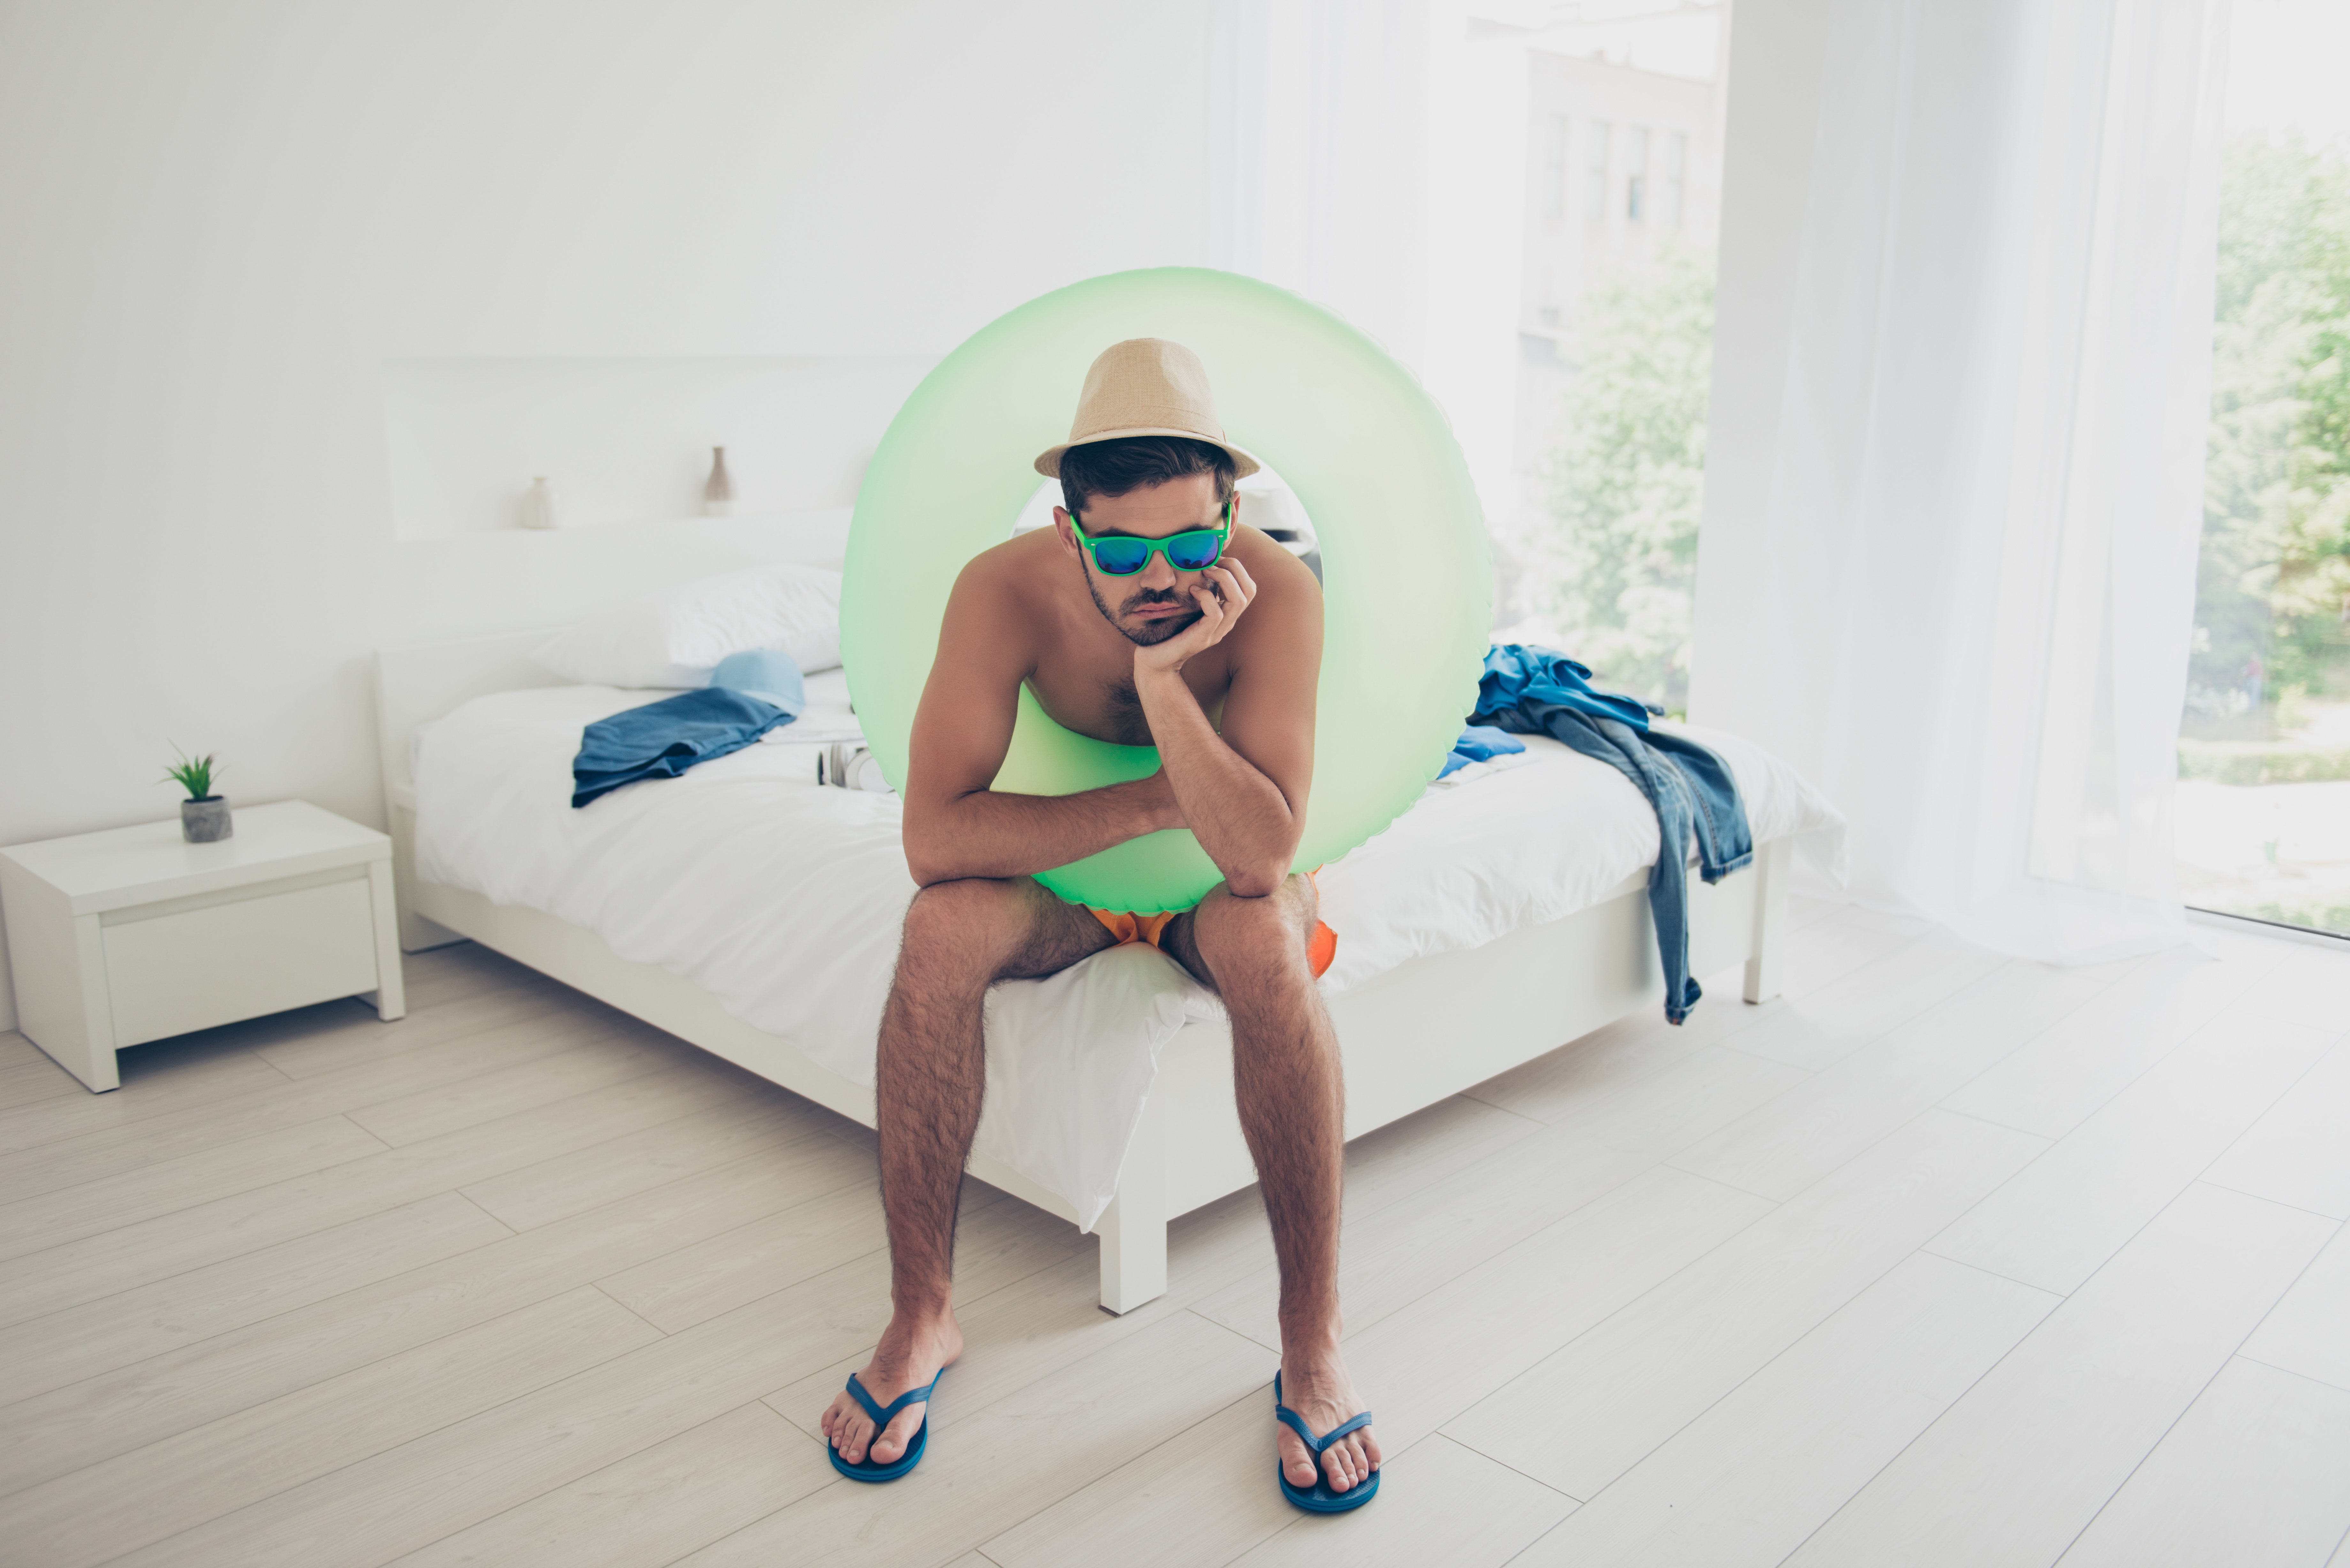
{"x":1122,"y":555}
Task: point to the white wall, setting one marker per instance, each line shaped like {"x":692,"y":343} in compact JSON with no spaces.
{"x":222,"y":219}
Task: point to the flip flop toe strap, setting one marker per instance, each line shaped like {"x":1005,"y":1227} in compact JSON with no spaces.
{"x":1315,"y":1445}
{"x":880,"y":1413}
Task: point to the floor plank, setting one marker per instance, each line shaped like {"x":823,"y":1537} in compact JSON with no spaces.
{"x":2299,"y":1151}
{"x":149,"y":1250}
{"x":2016,"y":1468}
{"x":2255,"y":1475}
{"x":2304,"y":1333}
{"x":1820,"y":1027}
{"x":761,"y":1119}
{"x":28,"y":1083}
{"x":273,"y":1354}
{"x":485,"y":1096}
{"x":2059,"y":1080}
{"x":1425,"y":1363}
{"x":1744,"y":1483}
{"x":1794,"y":1140}
{"x":276,"y":1101}
{"x":2077,"y":1204}
{"x":104,"y":1511}
{"x":653,"y":1505}
{"x":695,"y":1283}
{"x":1392,"y":1256}
{"x":63,"y":1348}
{"x":1596,"y":1408}
{"x":406,"y":1498}
{"x":107,"y":1203}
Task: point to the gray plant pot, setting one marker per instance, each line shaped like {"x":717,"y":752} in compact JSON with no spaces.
{"x":206,"y":821}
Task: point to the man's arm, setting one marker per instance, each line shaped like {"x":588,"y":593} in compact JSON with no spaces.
{"x":955,"y":825}
{"x":1242,"y":792}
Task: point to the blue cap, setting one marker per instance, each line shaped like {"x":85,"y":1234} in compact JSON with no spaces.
{"x":767,"y":673}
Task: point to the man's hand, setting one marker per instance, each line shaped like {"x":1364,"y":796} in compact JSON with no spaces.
{"x":1221,"y":592}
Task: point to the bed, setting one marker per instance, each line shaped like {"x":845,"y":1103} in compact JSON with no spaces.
{"x":754,"y":913}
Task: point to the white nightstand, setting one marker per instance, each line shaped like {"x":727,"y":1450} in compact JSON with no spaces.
{"x":119,"y":938}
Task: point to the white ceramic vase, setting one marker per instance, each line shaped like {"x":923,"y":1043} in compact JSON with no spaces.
{"x":538,"y":505}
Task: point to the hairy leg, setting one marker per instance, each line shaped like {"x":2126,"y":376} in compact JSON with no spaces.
{"x":1287,"y":1082}
{"x":929,"y":1074}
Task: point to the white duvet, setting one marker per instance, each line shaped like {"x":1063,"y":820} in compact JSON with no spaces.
{"x":784,"y":899}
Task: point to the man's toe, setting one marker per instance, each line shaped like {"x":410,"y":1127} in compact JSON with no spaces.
{"x":898,"y":1436}
{"x":1348,"y":1465}
{"x":1296,"y":1463}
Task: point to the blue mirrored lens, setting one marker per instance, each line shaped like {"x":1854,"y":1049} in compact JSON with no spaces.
{"x":1195,"y":552}
{"x":1121,"y":557}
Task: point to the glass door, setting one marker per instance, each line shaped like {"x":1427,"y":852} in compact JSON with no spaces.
{"x":2264,"y":742}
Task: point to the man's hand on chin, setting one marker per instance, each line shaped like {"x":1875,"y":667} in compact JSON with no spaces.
{"x":1222,"y":592}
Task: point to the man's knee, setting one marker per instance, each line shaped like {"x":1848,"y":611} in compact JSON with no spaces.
{"x":963,"y":925}
{"x":1263,"y":938}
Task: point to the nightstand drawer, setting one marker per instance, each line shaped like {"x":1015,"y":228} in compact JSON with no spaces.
{"x":255,"y":953}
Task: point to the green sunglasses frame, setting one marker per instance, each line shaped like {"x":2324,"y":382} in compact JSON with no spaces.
{"x":1158,"y":546}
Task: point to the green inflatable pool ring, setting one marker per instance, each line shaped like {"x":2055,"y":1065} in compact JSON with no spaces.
{"x":1406,"y":574}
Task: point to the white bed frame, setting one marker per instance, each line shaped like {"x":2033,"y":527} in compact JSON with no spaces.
{"x":1403,"y":1034}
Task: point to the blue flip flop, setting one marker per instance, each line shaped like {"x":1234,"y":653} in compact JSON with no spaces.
{"x":1317,"y":1498}
{"x":866,"y":1469}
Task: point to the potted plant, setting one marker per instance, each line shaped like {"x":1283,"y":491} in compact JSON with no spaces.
{"x":203,"y":815}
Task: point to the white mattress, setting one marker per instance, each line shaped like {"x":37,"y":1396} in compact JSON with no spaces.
{"x":784,"y":899}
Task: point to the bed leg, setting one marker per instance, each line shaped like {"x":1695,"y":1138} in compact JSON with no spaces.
{"x":416,"y":932}
{"x":1772,"y":873}
{"x":1133,"y":1229}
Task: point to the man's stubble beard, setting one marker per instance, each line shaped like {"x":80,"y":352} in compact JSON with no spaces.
{"x":1153,"y":631}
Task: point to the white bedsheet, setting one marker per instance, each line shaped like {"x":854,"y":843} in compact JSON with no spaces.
{"x":784,"y":899}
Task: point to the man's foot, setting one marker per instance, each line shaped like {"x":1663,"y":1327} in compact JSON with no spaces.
{"x":912,"y":1353}
{"x":1317,"y":1386}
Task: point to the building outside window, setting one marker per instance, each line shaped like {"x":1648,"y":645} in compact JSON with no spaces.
{"x":1554,"y":170}
{"x":1636,"y":173}
{"x":1596,"y":137}
{"x":1671,"y":183}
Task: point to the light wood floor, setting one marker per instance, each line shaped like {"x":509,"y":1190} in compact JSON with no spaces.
{"x":1943,"y":1259}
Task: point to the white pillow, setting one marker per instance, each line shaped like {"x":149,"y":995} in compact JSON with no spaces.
{"x":676,"y":638}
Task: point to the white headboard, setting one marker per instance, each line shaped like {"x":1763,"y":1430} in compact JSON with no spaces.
{"x":423,"y":681}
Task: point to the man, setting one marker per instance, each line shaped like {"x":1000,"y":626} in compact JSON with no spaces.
{"x":1149,"y":614}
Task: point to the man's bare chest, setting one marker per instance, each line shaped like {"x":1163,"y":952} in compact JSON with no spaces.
{"x":1101,"y":702}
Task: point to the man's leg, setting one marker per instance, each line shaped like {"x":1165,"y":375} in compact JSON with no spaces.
{"x":1286,"y":1077}
{"x":961,"y":937}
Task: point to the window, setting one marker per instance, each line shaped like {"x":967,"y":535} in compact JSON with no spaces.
{"x":1675,"y":175}
{"x":1595,"y":166}
{"x":1555,"y":192}
{"x":1595,"y":551}
{"x":2264,"y":803}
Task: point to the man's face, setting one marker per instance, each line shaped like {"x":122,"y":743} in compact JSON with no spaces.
{"x":1155,"y":603}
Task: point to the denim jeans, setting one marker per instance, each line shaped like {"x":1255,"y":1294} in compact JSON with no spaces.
{"x":1534,"y":690}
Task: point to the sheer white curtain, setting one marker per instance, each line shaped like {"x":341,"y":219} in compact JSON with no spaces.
{"x":1963,"y":350}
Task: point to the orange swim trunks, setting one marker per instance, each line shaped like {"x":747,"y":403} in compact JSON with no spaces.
{"x":1321,"y":947}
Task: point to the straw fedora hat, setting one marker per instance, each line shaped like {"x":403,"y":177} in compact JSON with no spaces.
{"x":1146,"y":386}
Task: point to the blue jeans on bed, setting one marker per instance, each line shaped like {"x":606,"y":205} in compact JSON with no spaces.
{"x":1537,"y":691}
